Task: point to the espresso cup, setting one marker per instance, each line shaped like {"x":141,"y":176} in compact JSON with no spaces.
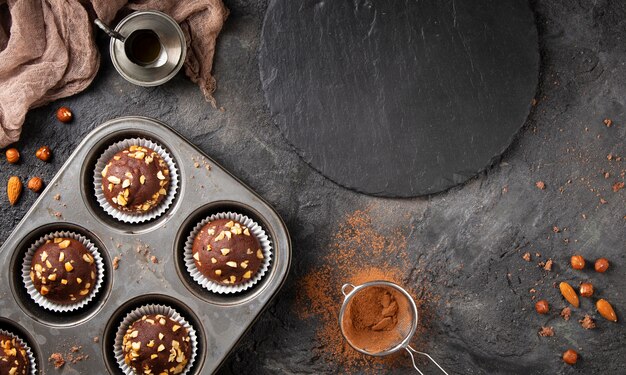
{"x":147,"y":48}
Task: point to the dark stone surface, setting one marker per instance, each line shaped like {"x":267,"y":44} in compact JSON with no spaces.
{"x":399,"y":99}
{"x":471,"y":237}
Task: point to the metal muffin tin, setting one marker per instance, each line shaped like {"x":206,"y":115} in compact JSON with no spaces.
{"x":220,"y":320}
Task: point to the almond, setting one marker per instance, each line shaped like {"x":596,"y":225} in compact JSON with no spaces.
{"x":14,"y":189}
{"x":606,"y":310}
{"x":569,"y":294}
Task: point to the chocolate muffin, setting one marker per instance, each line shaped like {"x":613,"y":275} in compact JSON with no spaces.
{"x":156,"y":344}
{"x":63,"y":271}
{"x":135,"y":180}
{"x":226,"y":252}
{"x":13,"y":357}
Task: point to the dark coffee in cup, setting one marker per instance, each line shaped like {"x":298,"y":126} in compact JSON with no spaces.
{"x":143,"y":47}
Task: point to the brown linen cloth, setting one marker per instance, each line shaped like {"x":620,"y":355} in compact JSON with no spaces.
{"x":47,"y":49}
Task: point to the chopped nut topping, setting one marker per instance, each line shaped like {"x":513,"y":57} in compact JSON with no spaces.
{"x":161,"y":336}
{"x":150,"y":344}
{"x":126,"y":183}
{"x":162,"y":321}
{"x":114,"y":180}
{"x":48,"y":264}
{"x":225,"y":251}
{"x":249,"y":252}
{"x":63,"y":281}
{"x":246,"y":232}
{"x":161,"y":348}
{"x":196,"y":256}
{"x":79,"y":280}
{"x":61,"y":256}
{"x":218,"y":272}
{"x":259,"y":254}
{"x":244,"y":264}
{"x":64,"y":244}
{"x":142,"y":179}
{"x":52,"y":277}
{"x":160,"y":175}
{"x":247,"y":275}
{"x":84,"y":292}
{"x":44,"y":290}
{"x":44,"y":256}
{"x":153,"y":356}
{"x":175,"y":328}
{"x":68,"y":267}
{"x":134,"y":334}
{"x":232,"y":279}
{"x":232,"y":264}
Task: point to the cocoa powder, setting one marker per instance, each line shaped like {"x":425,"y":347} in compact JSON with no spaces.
{"x":377,"y":319}
{"x":362,"y":250}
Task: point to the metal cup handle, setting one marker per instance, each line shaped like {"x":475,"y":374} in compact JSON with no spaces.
{"x":344,"y":289}
{"x":410,"y":350}
{"x":110,"y":32}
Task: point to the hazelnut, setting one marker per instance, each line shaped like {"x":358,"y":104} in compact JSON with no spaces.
{"x":578,"y":262}
{"x":542,"y":306}
{"x":64,"y":114}
{"x":35,"y":184}
{"x":43,"y":153}
{"x":570,"y":357}
{"x":13,"y":156}
{"x":586,"y":289}
{"x":601,"y":265}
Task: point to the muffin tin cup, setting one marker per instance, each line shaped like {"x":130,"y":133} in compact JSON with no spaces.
{"x":147,"y":310}
{"x":29,"y":352}
{"x":129,"y":217}
{"x":255,"y":229}
{"x":42,"y":300}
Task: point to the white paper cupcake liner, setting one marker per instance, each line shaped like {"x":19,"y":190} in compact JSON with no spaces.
{"x":29,"y":352}
{"x":42,"y":300}
{"x":130,"y":217}
{"x":255,"y":229}
{"x":136,"y":314}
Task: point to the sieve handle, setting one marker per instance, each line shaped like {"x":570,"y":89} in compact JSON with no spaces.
{"x":110,"y":32}
{"x":411,"y":351}
{"x":344,"y":289}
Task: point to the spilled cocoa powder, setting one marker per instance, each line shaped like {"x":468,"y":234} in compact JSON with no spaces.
{"x":361,"y":251}
{"x":377,"y":319}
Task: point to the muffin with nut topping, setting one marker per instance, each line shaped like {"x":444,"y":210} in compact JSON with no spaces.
{"x":13,"y":356}
{"x":135,"y":180}
{"x":63,"y":271}
{"x":156,"y":344}
{"x":226,"y":252}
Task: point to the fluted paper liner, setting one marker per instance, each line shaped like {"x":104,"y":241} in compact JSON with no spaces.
{"x":130,"y":217}
{"x":29,"y":352}
{"x":42,"y":300}
{"x":255,"y":229}
{"x":136,"y":314}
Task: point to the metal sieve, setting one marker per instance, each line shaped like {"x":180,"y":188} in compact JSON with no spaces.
{"x":349,"y":291}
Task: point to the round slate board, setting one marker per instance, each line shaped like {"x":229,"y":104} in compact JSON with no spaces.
{"x":399,"y":98}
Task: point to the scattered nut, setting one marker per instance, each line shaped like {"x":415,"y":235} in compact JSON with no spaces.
{"x":587,"y":322}
{"x":570,"y":357}
{"x":64,"y":114}
{"x":606,"y":310}
{"x":13,"y":156}
{"x":527,"y":257}
{"x":546,"y":332}
{"x":542,"y":306}
{"x":566,"y":313}
{"x":569,"y":294}
{"x":601,"y":265}
{"x":14,"y":189}
{"x":578,"y":262}
{"x":540,"y":185}
{"x":35,"y":184}
{"x":586,"y":289}
{"x":608,"y":122}
{"x":43,"y":153}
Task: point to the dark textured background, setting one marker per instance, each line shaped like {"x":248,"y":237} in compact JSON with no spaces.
{"x":470,"y":237}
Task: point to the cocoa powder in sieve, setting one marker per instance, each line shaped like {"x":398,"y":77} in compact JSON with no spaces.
{"x":377,"y":318}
